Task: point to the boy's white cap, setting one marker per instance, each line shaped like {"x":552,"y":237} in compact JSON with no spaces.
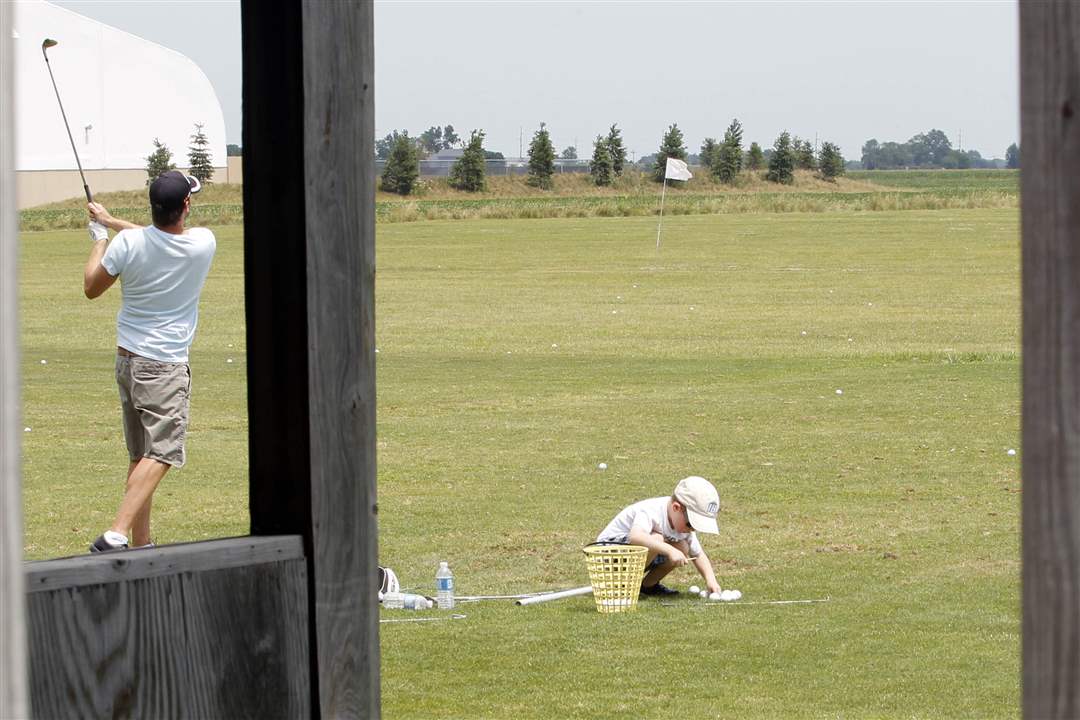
{"x":702,"y":503}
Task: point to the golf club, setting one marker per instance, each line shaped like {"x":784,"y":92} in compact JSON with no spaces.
{"x":45,"y":45}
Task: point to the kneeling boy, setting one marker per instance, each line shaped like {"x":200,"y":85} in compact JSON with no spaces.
{"x":667,"y":526}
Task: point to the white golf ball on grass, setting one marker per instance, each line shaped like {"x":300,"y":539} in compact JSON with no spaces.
{"x":714,"y":596}
{"x":704,"y":594}
{"x":694,"y":589}
{"x":602,"y":466}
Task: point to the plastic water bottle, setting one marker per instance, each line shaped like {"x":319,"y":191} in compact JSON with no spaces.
{"x":444,"y":587}
{"x":406,"y":601}
{"x":416,"y":602}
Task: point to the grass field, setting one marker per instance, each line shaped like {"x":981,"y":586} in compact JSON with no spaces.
{"x":1007,"y":180}
{"x":633,"y":195}
{"x":516,"y":355}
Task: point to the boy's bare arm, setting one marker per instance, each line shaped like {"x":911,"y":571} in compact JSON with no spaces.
{"x":656,"y":543}
{"x":705,"y":569}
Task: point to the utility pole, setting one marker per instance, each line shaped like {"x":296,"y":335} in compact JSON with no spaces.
{"x":521,"y":134}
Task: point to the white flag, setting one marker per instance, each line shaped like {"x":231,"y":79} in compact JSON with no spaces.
{"x":677,"y":170}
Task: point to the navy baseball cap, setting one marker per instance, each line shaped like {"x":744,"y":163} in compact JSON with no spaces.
{"x":171,"y":188}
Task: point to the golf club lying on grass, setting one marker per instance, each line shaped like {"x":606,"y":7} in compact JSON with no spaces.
{"x":45,"y":45}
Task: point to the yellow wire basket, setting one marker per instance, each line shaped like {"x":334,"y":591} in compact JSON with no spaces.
{"x":615,"y":573}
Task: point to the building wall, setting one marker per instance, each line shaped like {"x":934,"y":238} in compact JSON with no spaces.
{"x":39,"y":187}
{"x":112,"y":85}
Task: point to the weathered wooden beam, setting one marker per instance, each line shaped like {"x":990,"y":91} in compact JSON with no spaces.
{"x":47,"y":575}
{"x":13,"y":687}
{"x":1050,"y":192}
{"x":225,"y":643}
{"x":339,"y":174}
{"x":309,"y":298}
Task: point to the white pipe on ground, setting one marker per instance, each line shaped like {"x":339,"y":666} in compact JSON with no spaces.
{"x":547,"y":597}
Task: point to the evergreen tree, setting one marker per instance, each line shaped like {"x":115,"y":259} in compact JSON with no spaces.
{"x":468,"y":172}
{"x":1012,"y":156}
{"x":754,"y":157}
{"x":830,"y":161}
{"x":782,"y":162}
{"x":727,"y":161}
{"x":707,"y":153}
{"x":733,"y":139}
{"x":402,"y":168}
{"x":541,"y":160}
{"x":569,"y":153}
{"x":601,"y":167}
{"x":199,"y":156}
{"x":616,"y":150}
{"x":158,"y":161}
{"x":671,"y":146}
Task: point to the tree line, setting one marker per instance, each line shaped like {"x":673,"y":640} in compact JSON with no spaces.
{"x":931,"y":149}
{"x":725,"y":160}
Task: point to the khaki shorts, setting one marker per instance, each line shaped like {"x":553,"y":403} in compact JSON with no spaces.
{"x":154,"y":399}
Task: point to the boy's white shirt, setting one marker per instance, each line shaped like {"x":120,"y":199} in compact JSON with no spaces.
{"x":652,"y":517}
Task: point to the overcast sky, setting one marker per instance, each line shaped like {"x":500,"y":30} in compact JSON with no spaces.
{"x":840,"y":71}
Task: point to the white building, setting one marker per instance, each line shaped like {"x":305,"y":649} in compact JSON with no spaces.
{"x":120,"y":92}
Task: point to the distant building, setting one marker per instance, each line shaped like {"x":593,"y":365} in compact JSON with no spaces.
{"x":448,"y":154}
{"x":110,"y":82}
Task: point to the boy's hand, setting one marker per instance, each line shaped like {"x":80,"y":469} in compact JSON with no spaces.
{"x":714,"y":587}
{"x":675,"y":556}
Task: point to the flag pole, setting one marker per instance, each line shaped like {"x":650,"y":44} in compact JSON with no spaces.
{"x":661,"y":223}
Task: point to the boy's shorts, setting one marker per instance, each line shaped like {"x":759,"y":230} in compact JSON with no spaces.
{"x":154,"y":401}
{"x":624,"y":540}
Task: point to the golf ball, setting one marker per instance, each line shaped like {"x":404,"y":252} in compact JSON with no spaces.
{"x":704,"y":593}
{"x":694,"y":589}
{"x":602,"y":466}
{"x":839,"y":391}
{"x":1011,"y":451}
{"x":714,"y":596}
{"x":44,"y":362}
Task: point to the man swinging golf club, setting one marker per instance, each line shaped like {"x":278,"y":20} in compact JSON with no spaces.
{"x":162,"y":268}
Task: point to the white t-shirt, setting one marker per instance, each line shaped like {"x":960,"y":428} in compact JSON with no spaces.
{"x":651,"y":516}
{"x":161,"y":276}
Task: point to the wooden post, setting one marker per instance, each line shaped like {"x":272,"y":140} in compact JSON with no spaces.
{"x":339,"y":175}
{"x":13,"y":686}
{"x":1050,"y":191}
{"x":309,"y":292}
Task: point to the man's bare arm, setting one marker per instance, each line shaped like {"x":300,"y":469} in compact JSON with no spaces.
{"x":96,"y":279}
{"x":101,"y":215}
